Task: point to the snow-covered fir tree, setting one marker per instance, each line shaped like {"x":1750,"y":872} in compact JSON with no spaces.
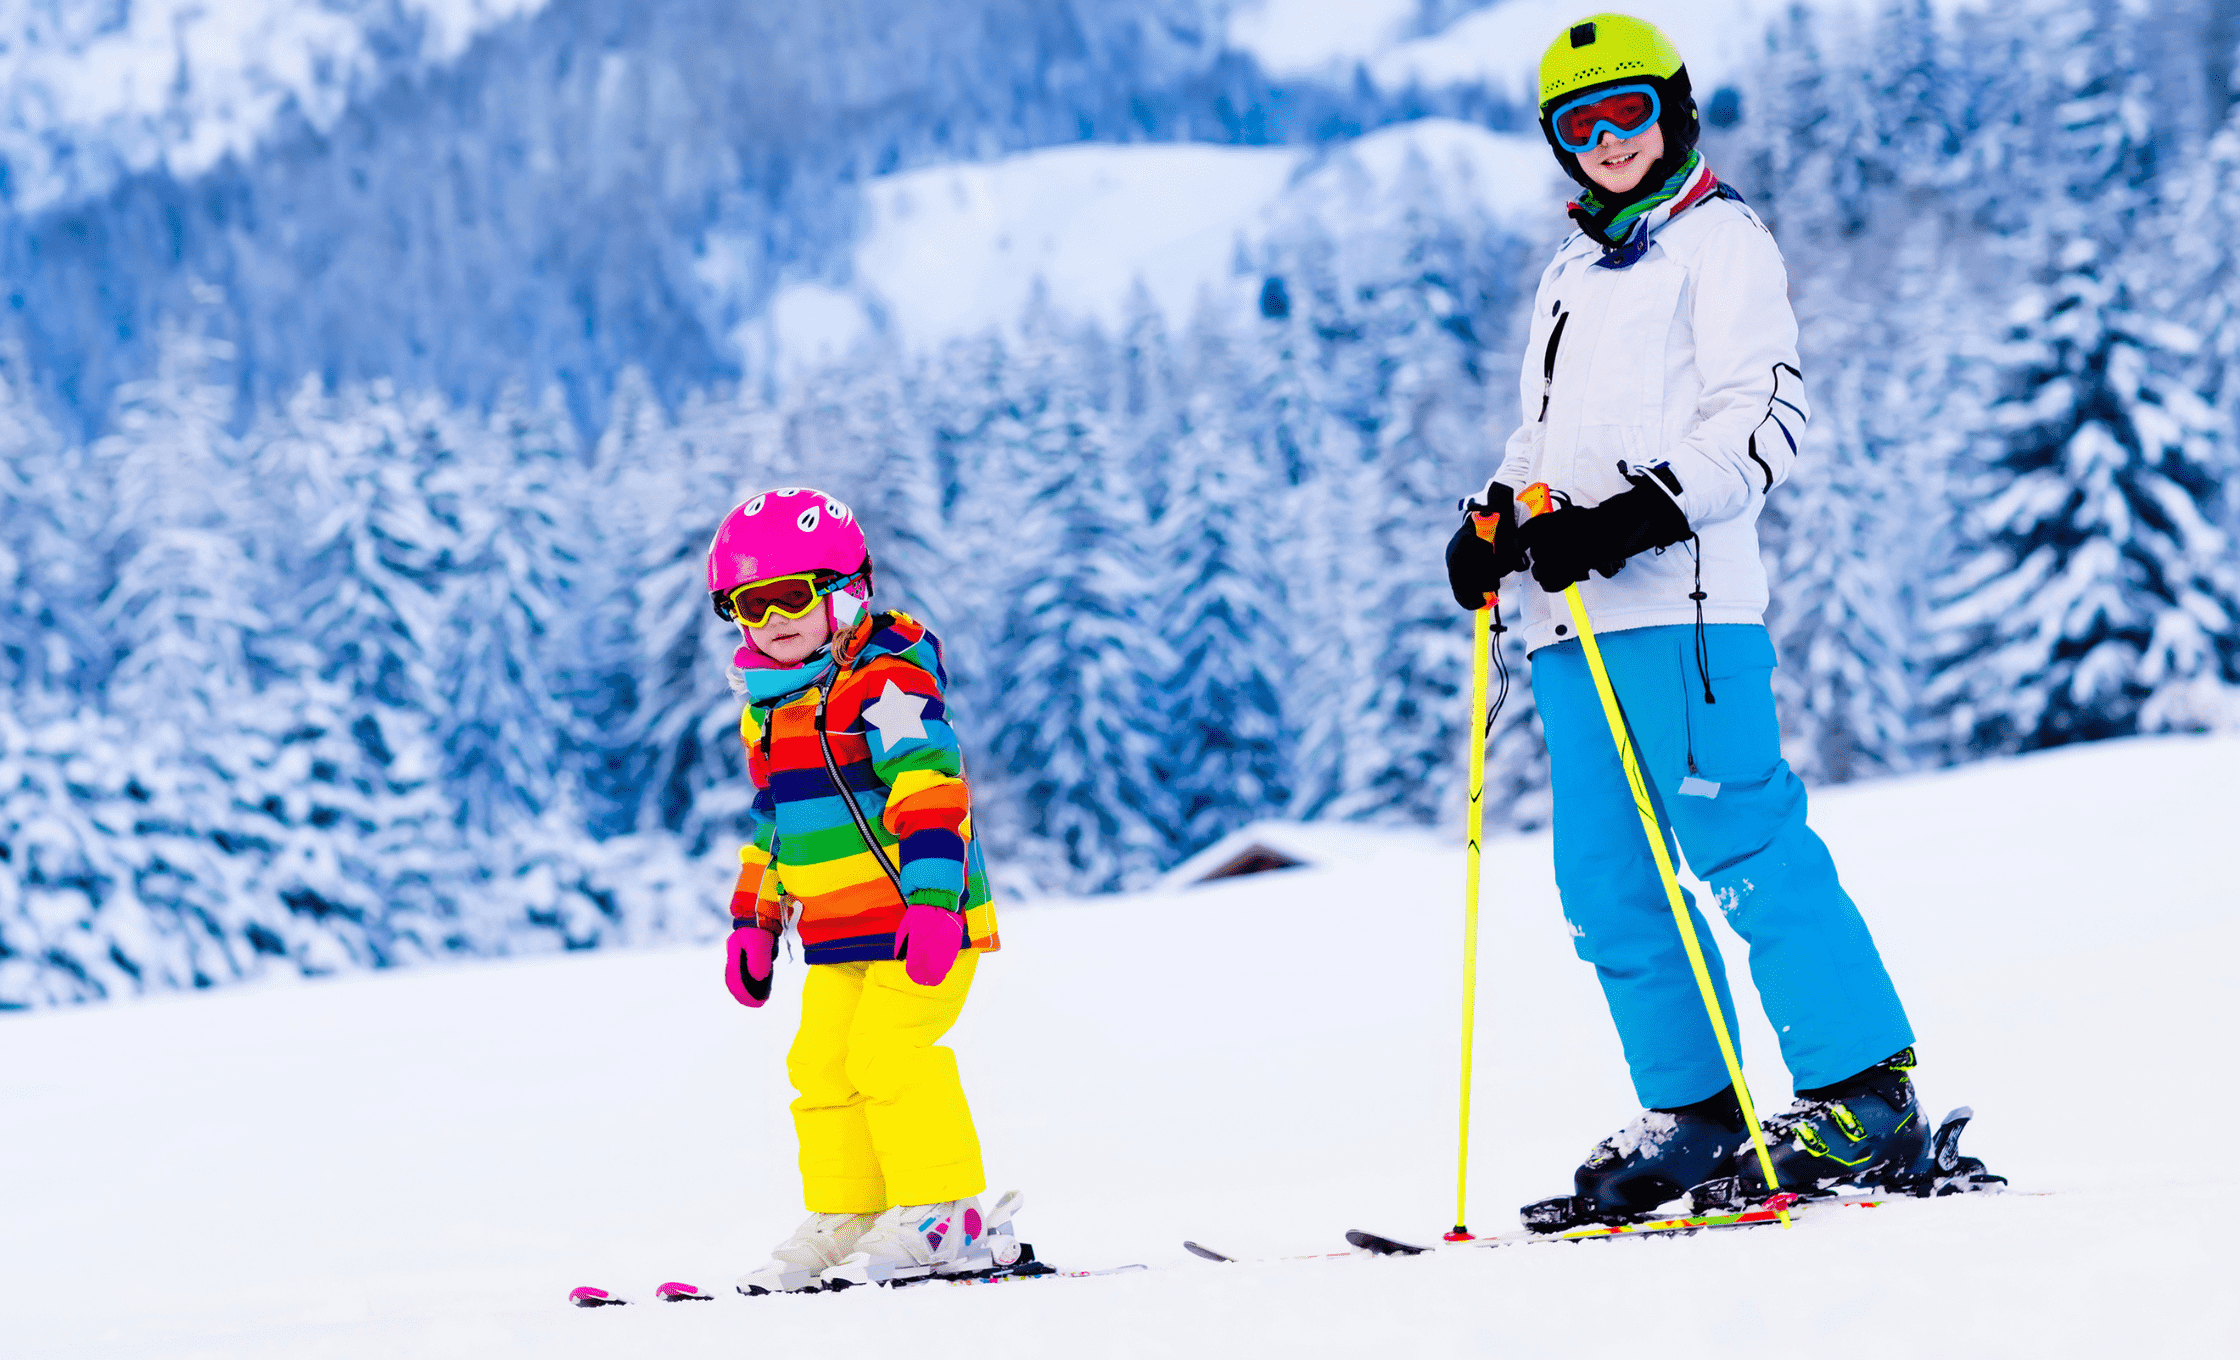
{"x":1221,"y":725}
{"x":1847,"y":163}
{"x":508,"y":496}
{"x":1057,"y":529}
{"x":2096,"y":595}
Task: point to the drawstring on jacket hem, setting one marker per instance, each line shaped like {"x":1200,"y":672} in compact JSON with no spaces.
{"x":1703,"y":646}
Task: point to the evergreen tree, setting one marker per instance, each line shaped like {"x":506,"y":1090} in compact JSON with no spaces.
{"x":1071,"y":726}
{"x":719,"y":453}
{"x":2102,"y":599}
{"x":47,"y":518}
{"x":508,"y":496}
{"x":353,"y":599}
{"x":181,"y":609}
{"x":1845,"y":536}
{"x":1224,"y":757}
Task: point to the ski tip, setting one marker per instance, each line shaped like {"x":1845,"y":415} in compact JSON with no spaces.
{"x":1207,"y":1252}
{"x":674,"y":1291}
{"x":1961,"y":1115}
{"x":1382,"y":1246}
{"x":588,"y":1296}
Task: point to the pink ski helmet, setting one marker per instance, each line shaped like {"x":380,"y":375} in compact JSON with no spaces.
{"x":784,"y":533}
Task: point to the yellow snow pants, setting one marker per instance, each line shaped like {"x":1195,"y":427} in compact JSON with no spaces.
{"x":881,"y":1115}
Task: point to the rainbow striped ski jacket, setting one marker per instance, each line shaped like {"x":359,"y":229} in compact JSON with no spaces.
{"x":888,"y":723}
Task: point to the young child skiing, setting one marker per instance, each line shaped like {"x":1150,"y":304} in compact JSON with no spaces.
{"x":1662,"y":403}
{"x":863,"y":828}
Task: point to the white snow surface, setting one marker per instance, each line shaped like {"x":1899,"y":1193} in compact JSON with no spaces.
{"x":961,"y":249}
{"x":1499,"y":45}
{"x":1305,"y":37}
{"x":94,"y":90}
{"x":424,"y":1163}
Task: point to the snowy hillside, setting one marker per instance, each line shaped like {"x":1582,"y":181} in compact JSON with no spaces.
{"x":423,"y":1164}
{"x":960,"y":249}
{"x":1497,"y":44}
{"x":349,"y":512}
{"x":95,"y":92}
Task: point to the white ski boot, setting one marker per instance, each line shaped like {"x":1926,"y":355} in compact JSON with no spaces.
{"x":820,"y":1243}
{"x":917,"y":1241}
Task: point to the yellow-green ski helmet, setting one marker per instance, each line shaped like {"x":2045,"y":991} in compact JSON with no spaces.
{"x":1618,"y":49}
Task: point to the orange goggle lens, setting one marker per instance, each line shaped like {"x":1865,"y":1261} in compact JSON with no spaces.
{"x":788,"y":597}
{"x":1625,"y":111}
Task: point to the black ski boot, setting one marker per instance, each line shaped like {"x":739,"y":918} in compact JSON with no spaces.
{"x":1660,"y":1156}
{"x":1865,"y":1130}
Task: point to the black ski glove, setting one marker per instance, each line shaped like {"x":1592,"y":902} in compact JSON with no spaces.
{"x":1475,"y":566}
{"x":1565,"y":544}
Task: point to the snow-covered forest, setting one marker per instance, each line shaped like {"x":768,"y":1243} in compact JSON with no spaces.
{"x":354,"y":612}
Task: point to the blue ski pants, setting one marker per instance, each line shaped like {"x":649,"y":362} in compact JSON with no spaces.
{"x":1739,"y":814}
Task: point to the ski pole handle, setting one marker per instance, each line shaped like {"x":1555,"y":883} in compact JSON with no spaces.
{"x":1484,"y":526}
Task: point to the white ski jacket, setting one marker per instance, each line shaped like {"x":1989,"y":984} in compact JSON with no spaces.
{"x":1688,"y":359}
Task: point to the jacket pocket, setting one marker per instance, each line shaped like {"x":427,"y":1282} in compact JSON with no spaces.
{"x":1738,"y":648}
{"x":1592,"y":475}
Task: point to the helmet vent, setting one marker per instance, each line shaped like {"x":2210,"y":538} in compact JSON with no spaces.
{"x":1581,"y":34}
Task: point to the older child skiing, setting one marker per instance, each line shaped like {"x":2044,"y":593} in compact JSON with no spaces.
{"x":863,"y":829}
{"x":1662,"y":403}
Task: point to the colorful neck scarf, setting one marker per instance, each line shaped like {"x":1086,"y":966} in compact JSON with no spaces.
{"x":1623,"y":232}
{"x":766,"y":686}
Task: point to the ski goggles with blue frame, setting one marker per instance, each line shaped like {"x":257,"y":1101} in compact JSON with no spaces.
{"x":1626,"y":110}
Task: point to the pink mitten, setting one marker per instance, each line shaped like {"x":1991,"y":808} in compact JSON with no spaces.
{"x":927,"y":942}
{"x":749,"y":957}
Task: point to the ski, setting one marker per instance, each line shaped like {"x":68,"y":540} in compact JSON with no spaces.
{"x":1008,"y":1276}
{"x":1943,"y":1171}
{"x":668,"y":1291}
{"x":1754,"y":1216}
{"x":1025,"y":1268}
{"x":1012,"y":1260}
{"x":1208,"y":1253}
{"x":1377,"y":1245}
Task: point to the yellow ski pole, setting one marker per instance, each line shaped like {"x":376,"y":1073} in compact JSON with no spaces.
{"x":1481,"y":650}
{"x":1535,"y":499}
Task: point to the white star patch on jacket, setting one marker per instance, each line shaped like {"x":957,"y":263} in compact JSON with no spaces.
{"x":898,"y":714}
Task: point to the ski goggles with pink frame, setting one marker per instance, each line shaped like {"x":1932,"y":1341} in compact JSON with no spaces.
{"x":1626,"y":110}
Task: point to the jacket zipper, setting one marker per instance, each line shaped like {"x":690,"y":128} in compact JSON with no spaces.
{"x":1548,"y":365}
{"x":847,"y":795}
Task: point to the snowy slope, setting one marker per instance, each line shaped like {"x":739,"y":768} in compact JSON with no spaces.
{"x":99,"y":90}
{"x":1498,"y":46}
{"x":422,"y":1164}
{"x":1501,"y":46}
{"x":1310,"y":37}
{"x":959,"y":249}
